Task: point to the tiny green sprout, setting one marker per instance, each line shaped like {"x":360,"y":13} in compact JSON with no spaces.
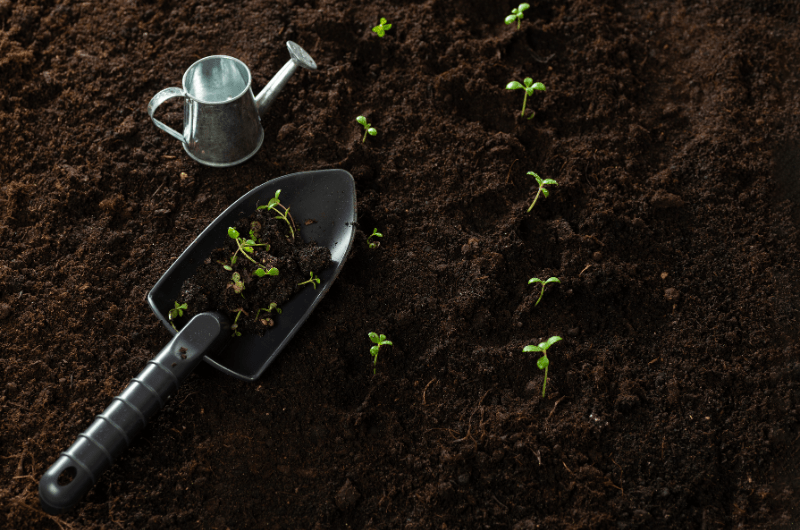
{"x":551,"y":279}
{"x":529,"y":86}
{"x":237,"y":284}
{"x":542,"y":190}
{"x":382,"y":28}
{"x":245,"y":246}
{"x":543,"y":363}
{"x":379,"y":340}
{"x":267,"y":321}
{"x":376,"y":243}
{"x":273,"y":205}
{"x":260,"y":272}
{"x":314,"y":280}
{"x":368,"y":128}
{"x":516,"y":15}
{"x":176,"y":312}
{"x":235,"y":325}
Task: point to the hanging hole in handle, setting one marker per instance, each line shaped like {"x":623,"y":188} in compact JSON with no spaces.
{"x":67,"y":476}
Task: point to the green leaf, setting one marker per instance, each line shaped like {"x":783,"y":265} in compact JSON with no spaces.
{"x":523,"y":7}
{"x":233,"y":260}
{"x":382,"y":338}
{"x":528,"y":81}
{"x":552,"y":340}
{"x":374,"y":351}
{"x":531,"y":347}
{"x":387,"y":343}
{"x":549,"y":182}
{"x":539,"y":180}
{"x":552,"y":279}
{"x":277,"y":194}
{"x":534,"y":280}
{"x":272,"y":202}
{"x":362,"y":120}
{"x":273,"y":272}
{"x":373,"y":337}
{"x":236,"y":277}
{"x":513,"y":85}
{"x":260,"y":272}
{"x":543,"y":363}
{"x":532,"y":174}
{"x":510,"y":19}
{"x":233,"y":233}
{"x":545,"y":192}
{"x":383,"y":21}
{"x":372,"y":131}
{"x":539,"y":86}
{"x":386,"y":26}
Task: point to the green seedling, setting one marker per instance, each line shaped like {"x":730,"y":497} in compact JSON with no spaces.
{"x":516,"y":15}
{"x":261,"y":272}
{"x":368,"y":128}
{"x":245,"y":246}
{"x":314,"y":281}
{"x":176,"y":312}
{"x":235,"y":325}
{"x":529,"y":86}
{"x":267,"y":321}
{"x":273,"y":206}
{"x":552,"y":279}
{"x":379,"y":340}
{"x":382,"y":28}
{"x":376,"y":243}
{"x":542,"y":190}
{"x":237,"y":284}
{"x":543,"y":363}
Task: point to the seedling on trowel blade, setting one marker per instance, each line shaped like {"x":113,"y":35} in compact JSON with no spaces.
{"x":542,"y":190}
{"x":379,"y":340}
{"x":273,"y":206}
{"x":267,"y":321}
{"x":543,"y":363}
{"x":314,"y":281}
{"x":245,"y":246}
{"x":529,"y":86}
{"x":552,"y":279}
{"x":176,"y":312}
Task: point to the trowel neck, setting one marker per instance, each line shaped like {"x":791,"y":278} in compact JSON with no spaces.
{"x":266,"y":97}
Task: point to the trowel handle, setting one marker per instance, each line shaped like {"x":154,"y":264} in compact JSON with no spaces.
{"x":80,"y":466}
{"x":158,"y":99}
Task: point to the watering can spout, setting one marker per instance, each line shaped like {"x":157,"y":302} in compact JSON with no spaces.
{"x":299,"y":58}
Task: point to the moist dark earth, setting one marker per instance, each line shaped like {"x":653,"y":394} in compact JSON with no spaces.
{"x":672,"y":129}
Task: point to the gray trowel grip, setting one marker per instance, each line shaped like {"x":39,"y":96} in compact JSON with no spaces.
{"x":114,"y":430}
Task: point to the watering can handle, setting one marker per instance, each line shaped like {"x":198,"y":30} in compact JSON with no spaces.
{"x":158,"y":99}
{"x":80,"y":466}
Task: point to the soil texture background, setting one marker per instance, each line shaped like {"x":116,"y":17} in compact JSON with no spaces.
{"x":671,"y":128}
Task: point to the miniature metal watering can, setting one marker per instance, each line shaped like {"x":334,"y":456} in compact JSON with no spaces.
{"x":221,"y":118}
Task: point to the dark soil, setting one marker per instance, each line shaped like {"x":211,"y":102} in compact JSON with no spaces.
{"x":248,"y":300}
{"x":672,"y":129}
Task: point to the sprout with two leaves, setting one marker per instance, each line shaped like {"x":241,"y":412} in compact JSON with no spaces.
{"x":273,"y":206}
{"x":368,"y":128}
{"x":543,"y":363}
{"x":528,"y":86}
{"x":382,"y":28}
{"x":551,"y":279}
